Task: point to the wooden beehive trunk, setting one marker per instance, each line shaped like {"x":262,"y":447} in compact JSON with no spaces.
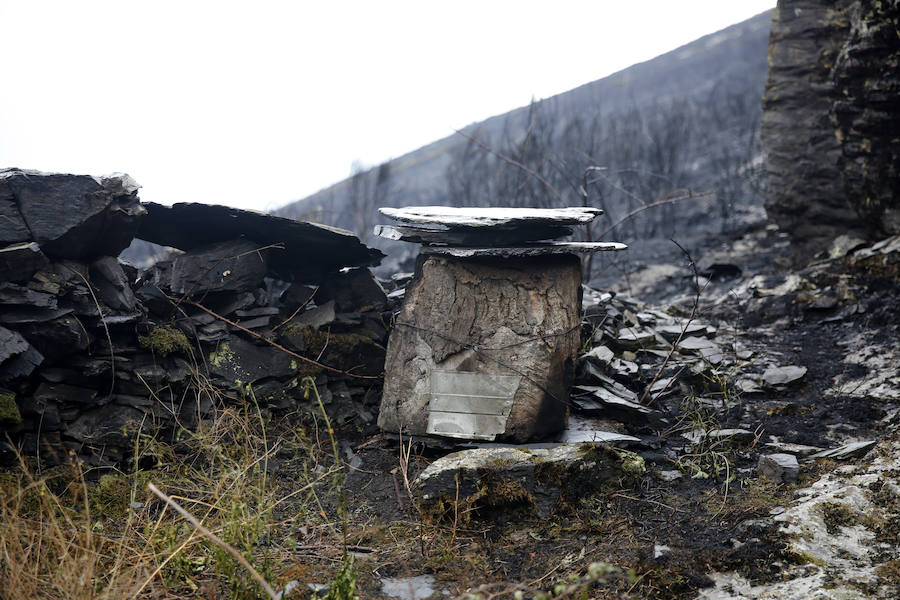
{"x":484,"y":348}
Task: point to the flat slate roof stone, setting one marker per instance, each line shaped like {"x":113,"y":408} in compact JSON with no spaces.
{"x":529,"y":250}
{"x":452,"y":216}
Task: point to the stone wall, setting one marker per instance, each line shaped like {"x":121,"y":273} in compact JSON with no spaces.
{"x":830,"y":119}
{"x":866,"y":113}
{"x":92,"y":352}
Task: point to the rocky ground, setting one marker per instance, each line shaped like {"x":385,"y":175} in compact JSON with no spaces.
{"x":733,"y":429}
{"x":764,"y":457}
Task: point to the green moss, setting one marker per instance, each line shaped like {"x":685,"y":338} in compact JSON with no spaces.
{"x":164,"y":340}
{"x":499,"y":491}
{"x":341,"y":350}
{"x":9,"y":411}
{"x":631,"y":464}
{"x":109,"y":498}
{"x":804,"y":558}
{"x":837,"y":515}
{"x":222,"y":355}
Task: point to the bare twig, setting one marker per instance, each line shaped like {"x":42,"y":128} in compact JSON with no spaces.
{"x":293,"y":314}
{"x":514,"y":163}
{"x":683,"y":329}
{"x":640,"y":209}
{"x":216,"y":539}
{"x":276,"y":246}
{"x":276,"y":344}
{"x":112,"y":354}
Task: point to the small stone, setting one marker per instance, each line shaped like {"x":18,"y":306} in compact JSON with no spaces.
{"x":843,"y":245}
{"x":633,"y":338}
{"x":749,"y":386}
{"x":780,"y":468}
{"x":409,"y":588}
{"x":740,"y":436}
{"x":696,"y":343}
{"x":781,"y":376}
{"x":671,"y":332}
{"x":601,"y":354}
{"x":609,"y":404}
{"x":318,"y":316}
{"x":18,"y":262}
{"x":669,"y":476}
{"x":721,"y":271}
{"x":663,"y":387}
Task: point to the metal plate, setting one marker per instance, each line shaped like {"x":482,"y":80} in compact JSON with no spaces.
{"x":470,"y":405}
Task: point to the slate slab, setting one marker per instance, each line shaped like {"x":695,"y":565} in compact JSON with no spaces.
{"x":12,"y":225}
{"x":471,"y":236}
{"x":11,"y":344}
{"x":230,"y":266}
{"x":75,"y":216}
{"x":536,"y":249}
{"x":451,"y":216}
{"x":851,"y":450}
{"x":240,"y":362}
{"x":12,"y":294}
{"x":310,"y":251}
{"x":112,"y":285}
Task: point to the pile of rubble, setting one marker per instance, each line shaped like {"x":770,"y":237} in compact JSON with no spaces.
{"x":91,"y":351}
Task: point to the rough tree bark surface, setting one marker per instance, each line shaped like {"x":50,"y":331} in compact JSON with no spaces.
{"x":491,"y":316}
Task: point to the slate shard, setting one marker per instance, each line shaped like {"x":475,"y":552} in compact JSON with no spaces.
{"x":18,"y":262}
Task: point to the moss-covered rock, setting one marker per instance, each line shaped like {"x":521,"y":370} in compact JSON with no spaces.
{"x":538,"y":478}
{"x":164,"y":340}
{"x":9,"y":411}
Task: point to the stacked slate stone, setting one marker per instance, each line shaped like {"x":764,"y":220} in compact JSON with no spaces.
{"x":91,"y":351}
{"x":485,"y":345}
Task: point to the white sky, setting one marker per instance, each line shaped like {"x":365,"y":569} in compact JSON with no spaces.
{"x":256,"y":104}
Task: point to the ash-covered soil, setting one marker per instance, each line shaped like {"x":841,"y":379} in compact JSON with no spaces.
{"x":668,"y":531}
